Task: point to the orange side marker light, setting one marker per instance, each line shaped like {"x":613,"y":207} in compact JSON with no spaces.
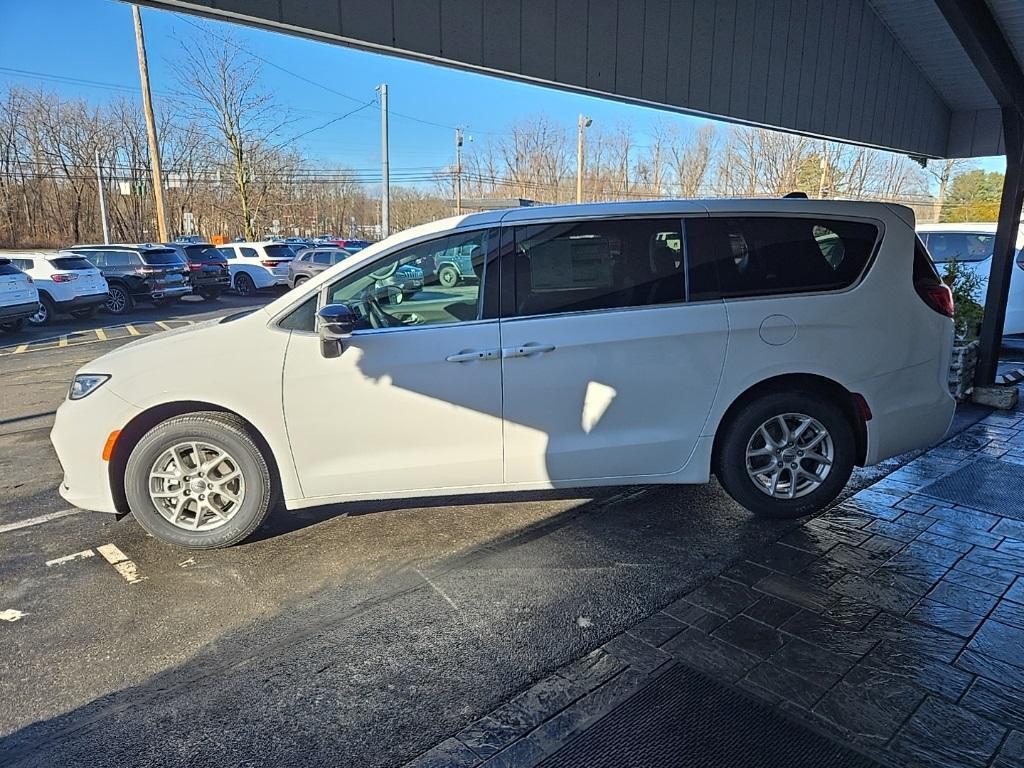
{"x":108,"y":447}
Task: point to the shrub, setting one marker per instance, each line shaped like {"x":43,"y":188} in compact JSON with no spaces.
{"x":966,"y":285}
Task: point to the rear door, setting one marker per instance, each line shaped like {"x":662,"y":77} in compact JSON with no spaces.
{"x":88,"y":279}
{"x":608,"y":372}
{"x":277,"y":256}
{"x":15,"y":286}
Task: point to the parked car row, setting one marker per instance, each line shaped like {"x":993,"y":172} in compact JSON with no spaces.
{"x":81,"y":279}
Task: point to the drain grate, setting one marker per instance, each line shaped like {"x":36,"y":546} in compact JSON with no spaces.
{"x":987,"y":484}
{"x":684,"y":718}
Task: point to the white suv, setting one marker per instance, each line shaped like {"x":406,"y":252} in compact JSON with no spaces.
{"x":774,"y":343}
{"x":971,"y":244}
{"x":19,"y":299}
{"x":257,"y":265}
{"x":66,"y":281}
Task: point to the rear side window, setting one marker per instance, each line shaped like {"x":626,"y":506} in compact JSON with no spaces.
{"x":71,"y":263}
{"x":960,"y":246}
{"x":594,"y":265}
{"x":120,"y":259}
{"x":322,"y":257}
{"x":764,"y":256}
{"x":161,"y":258}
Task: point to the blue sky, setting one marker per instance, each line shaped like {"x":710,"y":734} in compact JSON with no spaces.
{"x":93,"y":40}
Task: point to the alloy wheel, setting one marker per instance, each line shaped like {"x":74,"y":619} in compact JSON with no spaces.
{"x":789,"y":456}
{"x":196,"y":486}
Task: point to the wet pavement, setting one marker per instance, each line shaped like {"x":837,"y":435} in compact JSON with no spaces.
{"x":894,"y":623}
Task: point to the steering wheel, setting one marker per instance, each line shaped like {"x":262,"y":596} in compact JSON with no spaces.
{"x":375,"y":313}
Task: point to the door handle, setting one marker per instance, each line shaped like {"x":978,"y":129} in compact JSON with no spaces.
{"x":527,"y":350}
{"x":471,"y":355}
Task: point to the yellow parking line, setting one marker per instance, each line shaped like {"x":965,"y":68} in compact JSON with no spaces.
{"x":21,"y":348}
{"x":63,"y":341}
{"x":132,"y":330}
{"x":101,"y":334}
{"x":162,"y":324}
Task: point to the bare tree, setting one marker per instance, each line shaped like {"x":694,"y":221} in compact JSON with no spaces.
{"x":221,"y":86}
{"x":692,"y":154}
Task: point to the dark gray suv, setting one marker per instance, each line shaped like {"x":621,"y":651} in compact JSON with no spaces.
{"x":311,"y":262}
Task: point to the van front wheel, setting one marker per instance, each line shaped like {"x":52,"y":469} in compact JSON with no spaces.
{"x":199,"y":481}
{"x":786,"y":454}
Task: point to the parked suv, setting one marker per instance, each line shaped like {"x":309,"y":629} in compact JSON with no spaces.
{"x":971,"y":244}
{"x":310,"y":262}
{"x":257,"y":265}
{"x":207,"y":268}
{"x":774,"y":343}
{"x":147,"y":272}
{"x":66,"y":282}
{"x":19,"y":299}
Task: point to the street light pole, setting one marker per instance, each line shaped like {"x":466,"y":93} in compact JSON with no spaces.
{"x":103,"y":201}
{"x":582,"y":124}
{"x":458,"y":171}
{"x":154,"y":146}
{"x":385,"y":191}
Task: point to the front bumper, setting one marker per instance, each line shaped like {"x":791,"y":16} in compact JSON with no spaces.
{"x":79,"y":433}
{"x":18,"y":311}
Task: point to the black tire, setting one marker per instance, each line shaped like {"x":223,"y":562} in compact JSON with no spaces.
{"x":244,"y":285}
{"x":738,"y":431}
{"x":13,"y":326}
{"x":210,"y":294}
{"x":218,"y":429}
{"x":85,"y":314}
{"x":299,"y":281}
{"x":119,"y":299}
{"x":46,"y":312}
{"x":448,"y":276}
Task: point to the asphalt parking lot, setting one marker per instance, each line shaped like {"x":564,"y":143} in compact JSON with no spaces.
{"x":355,"y":635}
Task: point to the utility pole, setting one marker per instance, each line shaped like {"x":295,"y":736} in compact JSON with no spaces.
{"x":458,"y":171}
{"x":154,"y":147}
{"x":582,"y":124}
{"x":103,"y":200}
{"x":385,"y":181}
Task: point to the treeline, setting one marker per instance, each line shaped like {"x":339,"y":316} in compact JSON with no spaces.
{"x":232,"y":165}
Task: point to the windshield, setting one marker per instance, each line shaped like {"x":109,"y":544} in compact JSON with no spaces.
{"x":203,"y":253}
{"x":71,"y":263}
{"x":279,"y":252}
{"x":960,"y":246}
{"x":161,"y":258}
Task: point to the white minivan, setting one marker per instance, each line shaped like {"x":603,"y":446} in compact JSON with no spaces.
{"x":774,"y":343}
{"x":971,"y":244}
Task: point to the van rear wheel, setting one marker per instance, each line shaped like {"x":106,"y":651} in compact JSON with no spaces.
{"x":786,"y":454}
{"x":199,"y":481}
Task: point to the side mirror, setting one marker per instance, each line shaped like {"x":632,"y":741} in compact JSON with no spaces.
{"x":336,"y":325}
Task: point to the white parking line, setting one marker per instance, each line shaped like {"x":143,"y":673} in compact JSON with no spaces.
{"x":68,"y":558}
{"x":121,"y":563}
{"x":11,"y":614}
{"x":38,"y":520}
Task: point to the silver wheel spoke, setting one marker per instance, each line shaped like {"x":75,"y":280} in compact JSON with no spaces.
{"x":825,"y":461}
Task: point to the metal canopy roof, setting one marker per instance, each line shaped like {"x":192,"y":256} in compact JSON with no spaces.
{"x":887,"y":73}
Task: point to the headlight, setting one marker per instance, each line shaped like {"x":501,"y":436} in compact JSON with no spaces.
{"x":85,"y":384}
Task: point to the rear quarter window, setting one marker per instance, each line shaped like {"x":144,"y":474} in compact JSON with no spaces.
{"x":733,"y":257}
